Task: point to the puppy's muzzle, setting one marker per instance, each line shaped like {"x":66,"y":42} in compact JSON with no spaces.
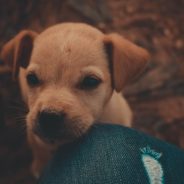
{"x":50,"y":125}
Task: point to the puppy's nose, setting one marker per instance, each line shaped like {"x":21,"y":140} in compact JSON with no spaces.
{"x":50,"y":124}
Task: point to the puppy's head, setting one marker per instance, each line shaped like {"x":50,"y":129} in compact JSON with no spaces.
{"x":67,"y":75}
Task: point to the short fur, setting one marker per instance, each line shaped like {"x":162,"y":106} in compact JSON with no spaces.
{"x":61,"y":56}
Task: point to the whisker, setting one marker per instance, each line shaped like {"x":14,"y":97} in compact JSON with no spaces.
{"x":21,"y":128}
{"x":19,"y":108}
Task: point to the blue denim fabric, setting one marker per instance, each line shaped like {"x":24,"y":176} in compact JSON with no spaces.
{"x":112,"y":154}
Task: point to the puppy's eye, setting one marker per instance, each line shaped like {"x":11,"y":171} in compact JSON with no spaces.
{"x":32,"y":79}
{"x":90,"y":82}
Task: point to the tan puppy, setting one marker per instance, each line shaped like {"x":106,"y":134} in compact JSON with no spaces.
{"x":70,"y":76}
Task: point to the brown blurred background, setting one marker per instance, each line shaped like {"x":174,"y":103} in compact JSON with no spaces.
{"x":157,"y":97}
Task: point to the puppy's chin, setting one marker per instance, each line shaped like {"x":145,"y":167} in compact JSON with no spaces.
{"x":59,"y":140}
{"x":69,"y":134}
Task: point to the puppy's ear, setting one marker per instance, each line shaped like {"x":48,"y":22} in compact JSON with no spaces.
{"x":127,"y":60}
{"x":17,"y":51}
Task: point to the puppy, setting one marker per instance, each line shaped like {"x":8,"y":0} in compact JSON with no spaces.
{"x":70,"y":76}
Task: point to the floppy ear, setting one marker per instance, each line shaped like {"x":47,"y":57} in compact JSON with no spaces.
{"x":127,"y":60}
{"x":17,"y":51}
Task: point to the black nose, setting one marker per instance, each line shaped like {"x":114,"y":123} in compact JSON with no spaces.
{"x":50,"y":124}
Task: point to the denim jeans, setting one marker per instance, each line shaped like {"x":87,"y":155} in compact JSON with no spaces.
{"x":112,"y":154}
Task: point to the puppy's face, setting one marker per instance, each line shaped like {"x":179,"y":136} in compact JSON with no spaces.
{"x":68,"y":82}
{"x":68,"y":75}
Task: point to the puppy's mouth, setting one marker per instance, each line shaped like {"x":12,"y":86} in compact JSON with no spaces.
{"x":55,"y":128}
{"x":52,"y":136}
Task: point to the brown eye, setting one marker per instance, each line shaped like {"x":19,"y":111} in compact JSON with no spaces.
{"x":90,"y":82}
{"x":32,"y":80}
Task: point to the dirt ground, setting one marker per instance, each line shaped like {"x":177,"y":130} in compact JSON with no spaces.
{"x":157,"y":97}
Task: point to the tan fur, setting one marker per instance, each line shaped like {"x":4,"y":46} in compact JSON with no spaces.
{"x":61,"y":56}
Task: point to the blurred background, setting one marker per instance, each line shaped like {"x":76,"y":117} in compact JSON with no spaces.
{"x":157,"y":97}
